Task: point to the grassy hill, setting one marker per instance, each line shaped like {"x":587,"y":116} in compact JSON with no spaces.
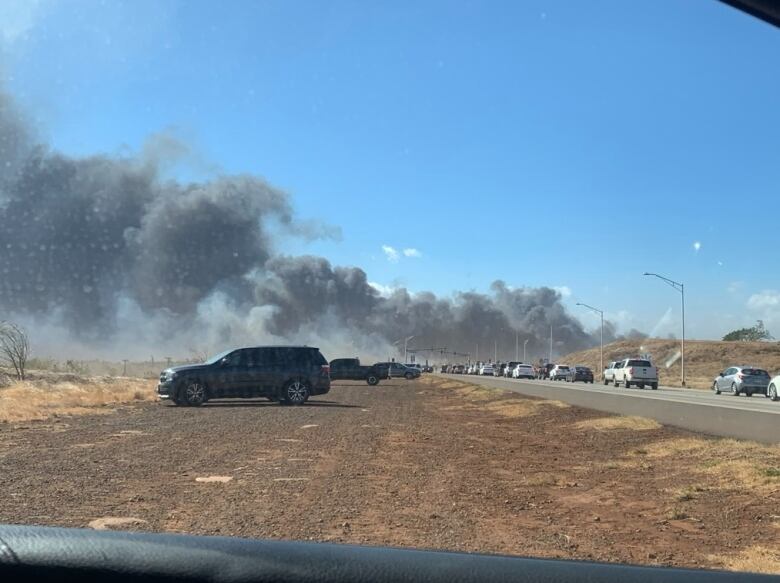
{"x":703,"y":358}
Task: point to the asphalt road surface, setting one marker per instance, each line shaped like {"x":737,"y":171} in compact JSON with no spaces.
{"x":756,"y":418}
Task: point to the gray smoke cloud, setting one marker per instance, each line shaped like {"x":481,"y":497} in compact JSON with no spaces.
{"x":105,"y":252}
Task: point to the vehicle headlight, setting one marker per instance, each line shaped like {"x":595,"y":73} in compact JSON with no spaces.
{"x":169,"y":375}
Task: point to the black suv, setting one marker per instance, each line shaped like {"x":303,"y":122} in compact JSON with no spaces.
{"x":288,"y":374}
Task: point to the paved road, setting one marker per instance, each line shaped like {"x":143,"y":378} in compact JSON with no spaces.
{"x":755,"y":418}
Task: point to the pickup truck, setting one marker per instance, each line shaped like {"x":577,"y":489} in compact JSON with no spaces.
{"x":350,"y":369}
{"x":636,"y":371}
{"x":609,"y":372}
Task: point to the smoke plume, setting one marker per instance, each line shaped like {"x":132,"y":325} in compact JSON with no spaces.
{"x":106,"y":254}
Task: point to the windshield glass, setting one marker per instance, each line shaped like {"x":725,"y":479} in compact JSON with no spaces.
{"x":181,"y":179}
{"x":217,"y":357}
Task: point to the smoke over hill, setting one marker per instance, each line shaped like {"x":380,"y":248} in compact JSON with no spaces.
{"x":103,"y":254}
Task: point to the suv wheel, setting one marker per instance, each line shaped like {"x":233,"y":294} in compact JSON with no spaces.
{"x":734,"y":389}
{"x":295,"y":393}
{"x":194,"y":394}
{"x":408,"y":376}
{"x":772,"y":392}
{"x":372,"y":380}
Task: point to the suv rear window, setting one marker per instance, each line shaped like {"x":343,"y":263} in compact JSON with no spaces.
{"x":639,"y":363}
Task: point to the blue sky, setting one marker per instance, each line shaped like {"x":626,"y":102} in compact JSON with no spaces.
{"x":569,"y":144}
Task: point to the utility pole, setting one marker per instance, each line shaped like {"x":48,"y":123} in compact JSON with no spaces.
{"x":124,"y":368}
{"x":517,"y":348}
{"x":680,"y":288}
{"x":495,"y":351}
{"x":601,"y":352}
{"x":476,"y":353}
{"x":550,"y":361}
{"x":525,"y":343}
{"x":406,"y":340}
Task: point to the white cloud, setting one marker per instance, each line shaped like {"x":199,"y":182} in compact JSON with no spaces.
{"x":412,"y":252}
{"x":734,"y":286}
{"x":384,"y":290}
{"x":696,"y":246}
{"x":17,"y":17}
{"x":564,"y":290}
{"x":766,"y":300}
{"x":391,"y":253}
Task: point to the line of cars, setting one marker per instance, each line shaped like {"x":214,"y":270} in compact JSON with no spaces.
{"x":522,"y":370}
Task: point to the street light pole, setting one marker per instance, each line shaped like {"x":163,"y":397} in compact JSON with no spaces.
{"x":525,"y":343}
{"x":406,"y":340}
{"x":680,"y":288}
{"x":550,"y":361}
{"x":601,"y":351}
{"x":517,"y":347}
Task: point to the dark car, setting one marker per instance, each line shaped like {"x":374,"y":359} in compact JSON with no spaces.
{"x":396,"y":369}
{"x":288,"y":374}
{"x":580,"y":373}
{"x":350,"y":369}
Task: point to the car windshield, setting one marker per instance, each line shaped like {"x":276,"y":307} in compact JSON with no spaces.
{"x":181,"y":179}
{"x":217,"y":357}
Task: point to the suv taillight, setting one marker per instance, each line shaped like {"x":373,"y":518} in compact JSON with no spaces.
{"x":631,"y":370}
{"x":325,"y":370}
{"x":740,"y":376}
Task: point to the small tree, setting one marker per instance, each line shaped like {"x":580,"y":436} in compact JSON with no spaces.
{"x":752,"y":334}
{"x":14,"y":348}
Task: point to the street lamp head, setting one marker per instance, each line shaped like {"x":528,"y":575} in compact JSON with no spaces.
{"x":579,"y":304}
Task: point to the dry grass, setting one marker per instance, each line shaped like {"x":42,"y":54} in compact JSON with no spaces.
{"x":490,"y":400}
{"x":543,"y":479}
{"x":721,"y":463}
{"x":514,"y":408}
{"x":754,"y":559}
{"x":703,"y":358}
{"x":609,"y":423}
{"x":42,"y":399}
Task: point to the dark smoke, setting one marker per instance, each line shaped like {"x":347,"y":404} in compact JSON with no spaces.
{"x":108,"y":251}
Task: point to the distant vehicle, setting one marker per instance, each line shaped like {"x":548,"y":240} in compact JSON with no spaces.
{"x":445,"y":368}
{"x":523,"y":371}
{"x":427,"y":368}
{"x":415,"y":366}
{"x":350,"y":369}
{"x":559,"y":372}
{"x":498,"y":369}
{"x":743,"y":379}
{"x":287,"y":374}
{"x":510,"y":367}
{"x":774,"y":388}
{"x":543,"y":372}
{"x":580,"y":373}
{"x":396,"y":370}
{"x":609,"y":372}
{"x":636,"y":371}
{"x":458,"y":369}
{"x":486,"y":369}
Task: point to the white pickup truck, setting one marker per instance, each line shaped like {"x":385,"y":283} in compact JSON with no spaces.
{"x":635,"y":371}
{"x":609,"y":372}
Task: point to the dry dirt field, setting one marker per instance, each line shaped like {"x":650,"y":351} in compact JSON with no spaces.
{"x":434,"y":463}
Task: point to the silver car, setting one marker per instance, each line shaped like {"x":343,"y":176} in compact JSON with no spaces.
{"x":742,"y":379}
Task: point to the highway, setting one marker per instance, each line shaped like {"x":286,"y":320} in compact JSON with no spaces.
{"x":755,"y":418}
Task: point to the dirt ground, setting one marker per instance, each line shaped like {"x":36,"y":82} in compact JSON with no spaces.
{"x":433,"y":463}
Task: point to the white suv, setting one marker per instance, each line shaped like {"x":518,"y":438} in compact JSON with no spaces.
{"x":559,"y":373}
